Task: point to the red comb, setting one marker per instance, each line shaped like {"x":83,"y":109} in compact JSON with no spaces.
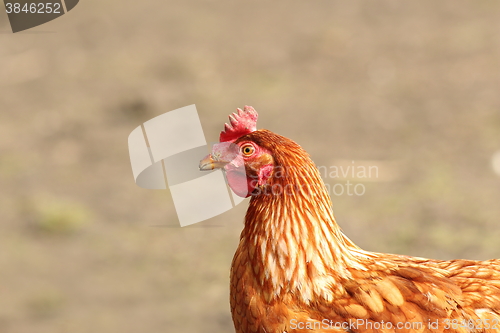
{"x":241,"y":123}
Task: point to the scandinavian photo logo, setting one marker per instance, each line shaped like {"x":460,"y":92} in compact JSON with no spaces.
{"x":166,"y":151}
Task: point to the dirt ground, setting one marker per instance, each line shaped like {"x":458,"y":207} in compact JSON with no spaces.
{"x":409,"y":87}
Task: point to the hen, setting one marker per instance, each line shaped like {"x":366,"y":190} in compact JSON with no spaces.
{"x":295,"y":271}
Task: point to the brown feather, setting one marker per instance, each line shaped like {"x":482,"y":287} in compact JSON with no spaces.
{"x":294,"y":265}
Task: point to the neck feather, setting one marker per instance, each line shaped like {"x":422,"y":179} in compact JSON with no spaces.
{"x":294,"y":243}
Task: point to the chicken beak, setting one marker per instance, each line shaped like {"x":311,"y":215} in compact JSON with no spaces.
{"x":208,"y":163}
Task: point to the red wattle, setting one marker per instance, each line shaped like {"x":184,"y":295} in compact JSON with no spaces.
{"x":239,"y":183}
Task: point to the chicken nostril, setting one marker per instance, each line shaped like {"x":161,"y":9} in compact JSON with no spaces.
{"x":216,"y":156}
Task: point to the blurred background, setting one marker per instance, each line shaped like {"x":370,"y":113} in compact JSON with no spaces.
{"x":412,"y":88}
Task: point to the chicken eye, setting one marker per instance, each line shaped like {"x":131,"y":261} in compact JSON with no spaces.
{"x":247,"y":150}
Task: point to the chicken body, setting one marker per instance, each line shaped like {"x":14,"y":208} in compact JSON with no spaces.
{"x":295,"y":271}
